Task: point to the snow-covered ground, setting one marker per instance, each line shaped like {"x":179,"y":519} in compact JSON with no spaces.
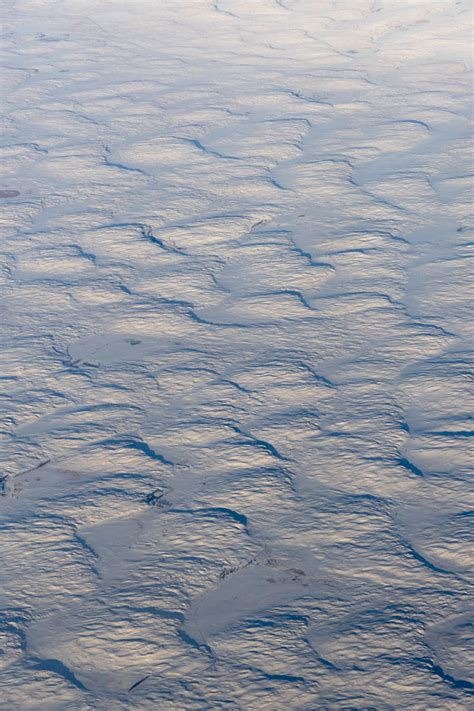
{"x":234,"y":355}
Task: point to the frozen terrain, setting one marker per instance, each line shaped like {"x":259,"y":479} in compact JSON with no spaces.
{"x":235,"y":355}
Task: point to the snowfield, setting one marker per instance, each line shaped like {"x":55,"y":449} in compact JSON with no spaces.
{"x":235,"y":361}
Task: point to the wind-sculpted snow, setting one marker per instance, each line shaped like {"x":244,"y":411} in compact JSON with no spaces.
{"x":235,"y":355}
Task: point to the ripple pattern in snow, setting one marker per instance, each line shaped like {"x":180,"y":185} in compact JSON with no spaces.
{"x":235,"y":361}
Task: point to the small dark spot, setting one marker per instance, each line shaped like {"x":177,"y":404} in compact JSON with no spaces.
{"x":460,"y":229}
{"x":226,"y":571}
{"x":133,"y":341}
{"x":9,"y":193}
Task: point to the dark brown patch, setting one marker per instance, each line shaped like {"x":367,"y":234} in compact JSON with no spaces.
{"x":9,"y":193}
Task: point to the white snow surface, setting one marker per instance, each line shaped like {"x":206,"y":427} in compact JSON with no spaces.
{"x":235,"y":367}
